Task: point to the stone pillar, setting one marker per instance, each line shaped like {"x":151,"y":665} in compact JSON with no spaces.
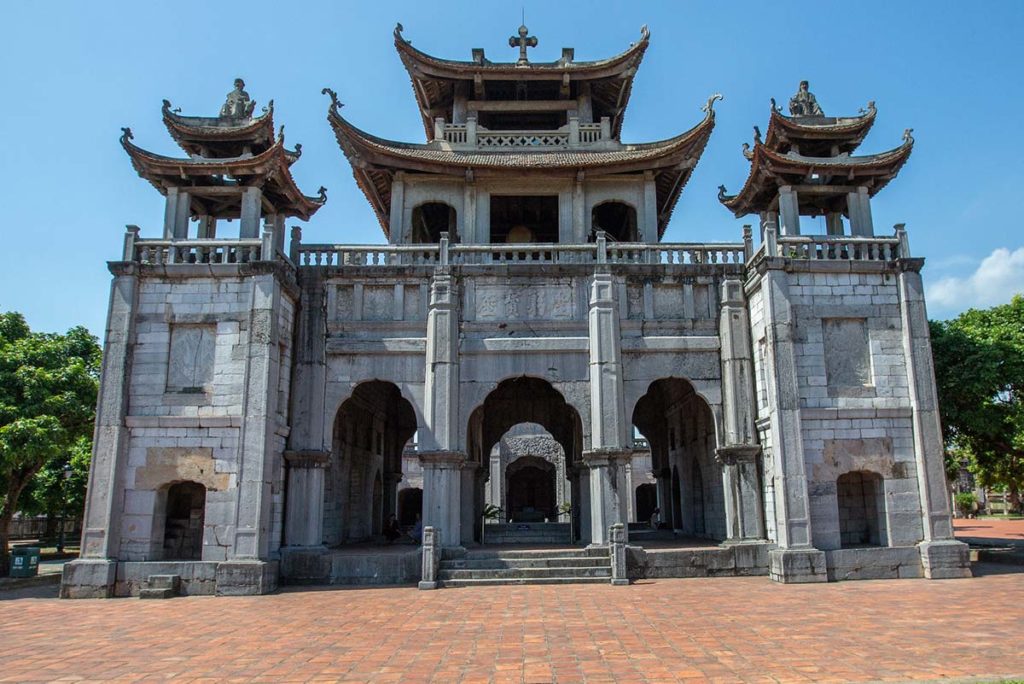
{"x":468,"y":232}
{"x":579,"y":210}
{"x":397,"y":230}
{"x":441,"y":388}
{"x":431,"y":558}
{"x":442,"y":494}
{"x":304,"y":502}
{"x":608,"y":492}
{"x":581,"y":501}
{"x":252,"y":207}
{"x":796,"y":560}
{"x":834,"y":223}
{"x":471,"y":480}
{"x":391,"y":481}
{"x":789,"y":211}
{"x":649,"y":231}
{"x":664,"y":489}
{"x":744,"y":512}
{"x":309,"y":422}
{"x":176,"y":214}
{"x":858,"y":205}
{"x":942,"y":556}
{"x":618,"y":554}
{"x":93,"y":574}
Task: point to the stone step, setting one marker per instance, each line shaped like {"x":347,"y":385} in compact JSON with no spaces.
{"x":553,"y":562}
{"x":156,"y":593}
{"x":522,"y":580}
{"x":476,"y":554}
{"x":172,"y":582}
{"x":524,"y":573}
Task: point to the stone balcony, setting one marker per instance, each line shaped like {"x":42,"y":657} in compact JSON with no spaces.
{"x":471,"y":136}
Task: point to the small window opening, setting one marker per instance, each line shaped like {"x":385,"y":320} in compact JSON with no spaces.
{"x":617,"y":219}
{"x":430,"y":220}
{"x":518,"y":219}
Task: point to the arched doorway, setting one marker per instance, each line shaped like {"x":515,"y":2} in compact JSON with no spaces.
{"x":430,"y":219}
{"x":617,"y":219}
{"x":410,"y":505}
{"x":646,"y":502}
{"x":530,"y":486}
{"x":183,"y":524}
{"x":542,"y":482}
{"x":680,"y":428}
{"x":360,"y":488}
{"x":861,"y":499}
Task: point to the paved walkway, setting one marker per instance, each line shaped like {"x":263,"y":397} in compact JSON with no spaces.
{"x":990,"y":528}
{"x":730,"y":629}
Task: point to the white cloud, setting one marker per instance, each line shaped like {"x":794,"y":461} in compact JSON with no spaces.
{"x":999,"y":276}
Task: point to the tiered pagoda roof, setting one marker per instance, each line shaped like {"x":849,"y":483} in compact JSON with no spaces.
{"x":813,"y":150}
{"x":434,"y":79}
{"x":226,"y":154}
{"x":375,"y":160}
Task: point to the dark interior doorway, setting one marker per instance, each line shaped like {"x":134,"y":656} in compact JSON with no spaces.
{"x":524,"y":219}
{"x":531,"y":490}
{"x":183,"y":528}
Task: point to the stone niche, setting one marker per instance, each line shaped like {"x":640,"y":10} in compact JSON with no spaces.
{"x":190,"y":362}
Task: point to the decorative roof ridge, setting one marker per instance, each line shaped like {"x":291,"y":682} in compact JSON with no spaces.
{"x":405,"y":47}
{"x":277,"y":148}
{"x":843,"y":159}
{"x":850,"y":130}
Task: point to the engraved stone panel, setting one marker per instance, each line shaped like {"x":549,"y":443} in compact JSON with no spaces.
{"x":668,"y":301}
{"x":413,"y":307}
{"x":847,"y":356}
{"x":635,"y":301}
{"x":190,"y":362}
{"x":525,"y":302}
{"x":701,"y":301}
{"x":345,"y":307}
{"x":378,"y":303}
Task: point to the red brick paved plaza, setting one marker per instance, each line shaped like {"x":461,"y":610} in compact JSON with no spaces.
{"x":730,"y":629}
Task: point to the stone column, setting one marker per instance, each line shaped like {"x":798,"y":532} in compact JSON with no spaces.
{"x":649,"y":232}
{"x":304,"y":504}
{"x":468,"y":231}
{"x":608,"y":424}
{"x":796,"y":560}
{"x":247,"y":570}
{"x":579,"y":210}
{"x":858,"y":206}
{"x":93,"y":574}
{"x":441,"y":461}
{"x":176,"y":214}
{"x":744,"y":512}
{"x":471,"y":481}
{"x":789,"y":211}
{"x":442,"y":494}
{"x":942,"y":556}
{"x":252,"y":207}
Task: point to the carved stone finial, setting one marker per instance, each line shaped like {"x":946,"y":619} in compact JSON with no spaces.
{"x":757,"y":135}
{"x":126,"y":135}
{"x":709,"y":106}
{"x":269,"y":109}
{"x":334,"y":99}
{"x":322,"y":192}
{"x":774,"y":107}
{"x":870,"y":109}
{"x":645,"y":33}
{"x":523,"y":41}
{"x":298,"y":150}
{"x":398,"y":32}
{"x":746,"y":151}
{"x":238,"y":104}
{"x":280,"y":134}
{"x":908,"y":136}
{"x":804,"y":103}
{"x":721,"y":192}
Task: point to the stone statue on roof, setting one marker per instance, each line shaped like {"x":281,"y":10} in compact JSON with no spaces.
{"x":804,"y":102}
{"x":238,"y":104}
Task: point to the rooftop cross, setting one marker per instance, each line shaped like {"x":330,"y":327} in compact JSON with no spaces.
{"x":522,"y":42}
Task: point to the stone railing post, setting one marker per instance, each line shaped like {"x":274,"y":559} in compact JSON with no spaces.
{"x":267,"y":246}
{"x":431,"y":558}
{"x":618,"y":539}
{"x":771,"y":246}
{"x":574,"y":131}
{"x":606,"y":128}
{"x":602,"y":247}
{"x":439,"y":128}
{"x":901,"y":235}
{"x":471,"y":130}
{"x":748,"y":243}
{"x":296,"y":245}
{"x":443,"y":251}
{"x":131,"y":234}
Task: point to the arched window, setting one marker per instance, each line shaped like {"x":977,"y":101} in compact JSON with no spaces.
{"x":861,"y":500}
{"x":431,"y":219}
{"x":617,"y":219}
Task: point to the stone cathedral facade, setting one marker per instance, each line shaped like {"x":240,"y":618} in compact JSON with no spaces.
{"x":524,"y":341}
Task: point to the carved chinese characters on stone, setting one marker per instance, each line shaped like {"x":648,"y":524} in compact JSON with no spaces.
{"x":524,"y":302}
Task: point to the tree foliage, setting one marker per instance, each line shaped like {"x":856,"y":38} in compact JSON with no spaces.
{"x":48,"y":385}
{"x":979,"y":370}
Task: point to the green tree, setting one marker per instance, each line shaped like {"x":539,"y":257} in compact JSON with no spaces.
{"x":979,"y":371}
{"x":48,"y":385}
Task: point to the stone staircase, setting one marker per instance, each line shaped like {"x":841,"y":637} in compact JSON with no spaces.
{"x":527,"y":533}
{"x":482,"y":567}
{"x":161,"y":587}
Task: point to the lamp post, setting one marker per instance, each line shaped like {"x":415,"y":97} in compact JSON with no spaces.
{"x":63,"y":506}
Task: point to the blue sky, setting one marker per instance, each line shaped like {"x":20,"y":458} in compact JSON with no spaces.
{"x":74,"y":73}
